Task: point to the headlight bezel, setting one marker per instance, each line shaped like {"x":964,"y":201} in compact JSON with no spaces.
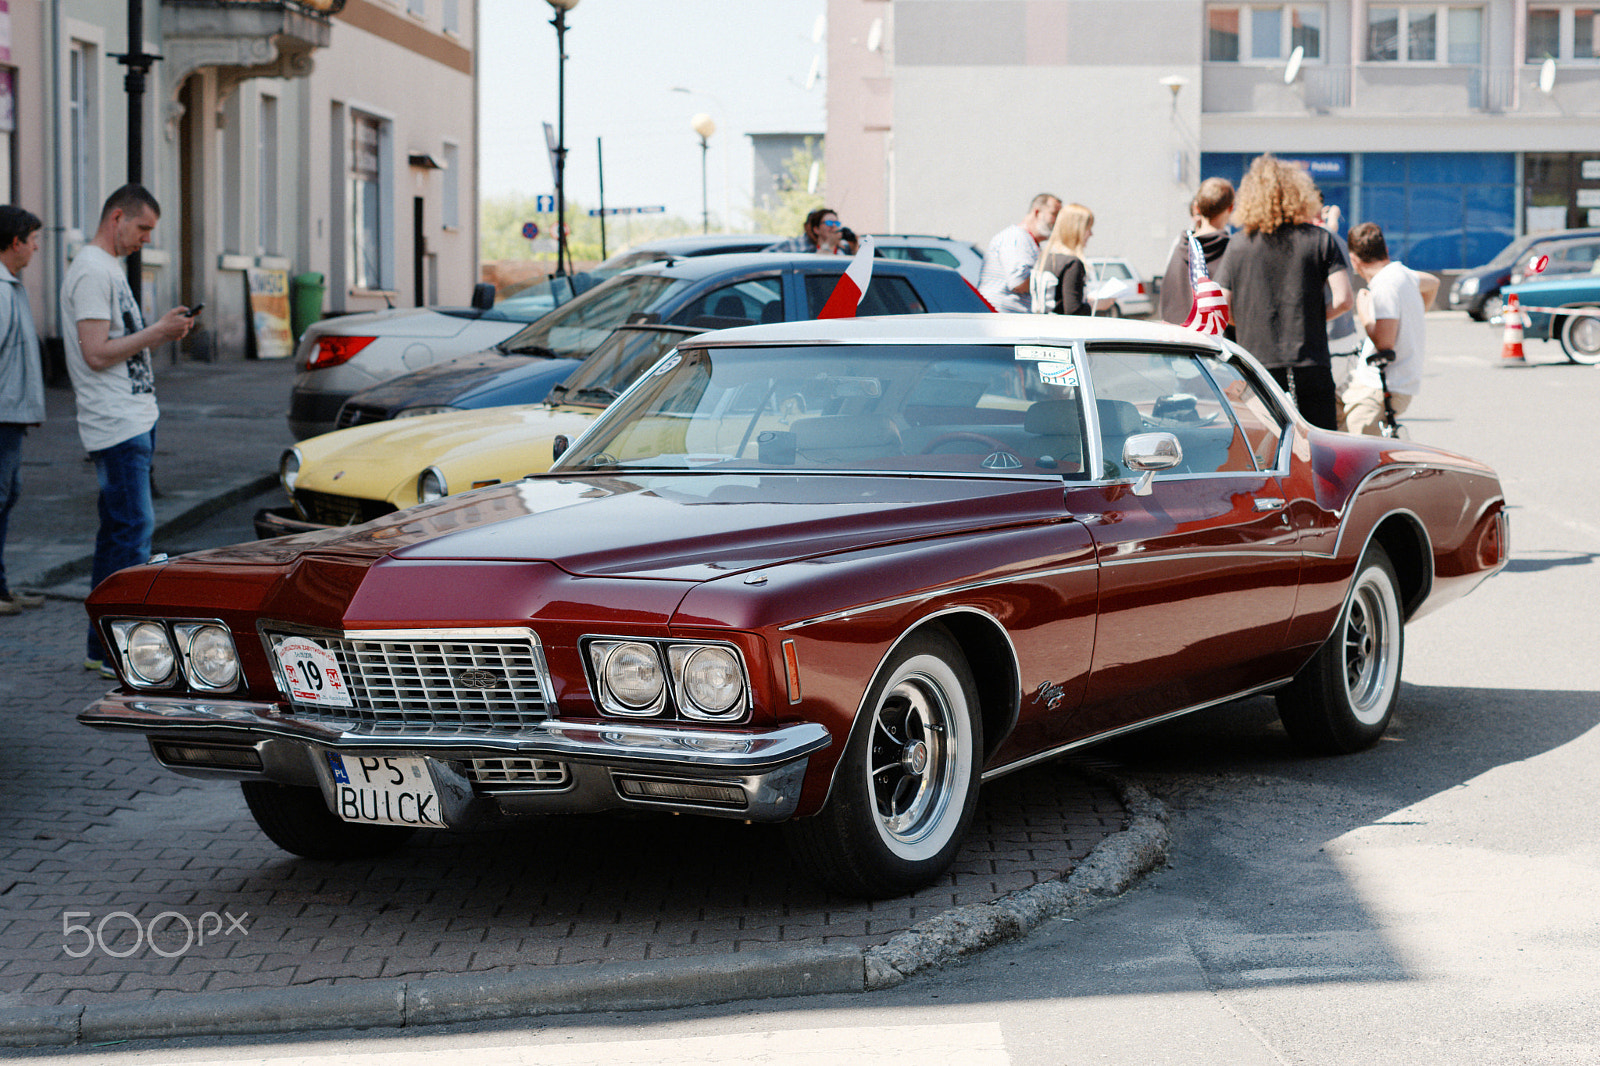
{"x":440,"y":485}
{"x":289,"y":465}
{"x":679,"y":698}
{"x":179,"y":637}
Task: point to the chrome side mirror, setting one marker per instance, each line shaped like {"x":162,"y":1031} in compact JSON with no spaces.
{"x":1149,"y":453}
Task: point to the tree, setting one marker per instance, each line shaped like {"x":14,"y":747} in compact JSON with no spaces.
{"x":794,"y":200}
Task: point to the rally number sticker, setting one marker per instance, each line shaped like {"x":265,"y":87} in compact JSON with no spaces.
{"x":312,"y":673}
{"x":1058,"y":373}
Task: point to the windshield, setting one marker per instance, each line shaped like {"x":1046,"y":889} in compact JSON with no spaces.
{"x":895,"y":408}
{"x":575,"y":329}
{"x":540,"y":298}
{"x":621,"y":358}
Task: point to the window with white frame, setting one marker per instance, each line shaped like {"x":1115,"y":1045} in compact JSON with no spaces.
{"x":1425,"y":33}
{"x":450,"y":180}
{"x":450,"y":16}
{"x":267,"y":171}
{"x":83,"y":178}
{"x":1563,"y":31}
{"x":417,"y":8}
{"x":1257,"y":33}
{"x":366,"y":203}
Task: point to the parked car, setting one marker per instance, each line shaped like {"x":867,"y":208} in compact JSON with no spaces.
{"x":945,"y":251}
{"x":1565,"y":308}
{"x":1576,"y":256}
{"x":339,"y":357}
{"x":360,"y":473}
{"x":1477,"y":291}
{"x":835,"y":575}
{"x":1137,"y":303}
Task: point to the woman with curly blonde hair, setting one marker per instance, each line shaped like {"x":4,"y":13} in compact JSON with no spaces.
{"x":1273,"y":275}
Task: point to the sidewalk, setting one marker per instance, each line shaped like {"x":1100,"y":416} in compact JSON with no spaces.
{"x":221,"y":432}
{"x":559,"y":915}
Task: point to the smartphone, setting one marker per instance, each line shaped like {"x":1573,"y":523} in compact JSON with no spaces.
{"x":196,"y":309}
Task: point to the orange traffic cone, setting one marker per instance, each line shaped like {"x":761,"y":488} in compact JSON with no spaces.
{"x":1511,"y":339}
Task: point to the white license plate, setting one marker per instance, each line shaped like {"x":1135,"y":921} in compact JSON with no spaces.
{"x":385,"y":790}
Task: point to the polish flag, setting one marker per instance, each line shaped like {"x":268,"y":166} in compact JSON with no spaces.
{"x":852,"y":287}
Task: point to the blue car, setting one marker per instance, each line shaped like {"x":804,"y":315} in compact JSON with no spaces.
{"x":1564,"y":308}
{"x":702,"y":293}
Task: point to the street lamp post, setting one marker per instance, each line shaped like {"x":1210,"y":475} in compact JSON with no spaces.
{"x":703,"y":125}
{"x":563,"y":256}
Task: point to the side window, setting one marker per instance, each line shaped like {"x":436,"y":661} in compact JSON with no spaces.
{"x":1260,"y":421}
{"x":748,"y":301}
{"x":885,"y":295}
{"x":1165,"y":392}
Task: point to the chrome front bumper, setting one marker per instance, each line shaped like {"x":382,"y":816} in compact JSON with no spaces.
{"x":602,"y":759}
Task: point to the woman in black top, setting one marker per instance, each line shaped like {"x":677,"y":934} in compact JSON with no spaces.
{"x":1061,"y":275}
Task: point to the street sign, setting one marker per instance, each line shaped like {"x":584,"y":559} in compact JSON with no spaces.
{"x":555,"y":154}
{"x":656,"y":210}
{"x":544,"y":204}
{"x":530,"y":230}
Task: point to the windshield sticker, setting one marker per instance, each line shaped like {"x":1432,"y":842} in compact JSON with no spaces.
{"x":1058,"y":373}
{"x":668,"y":363}
{"x":1036,"y":353}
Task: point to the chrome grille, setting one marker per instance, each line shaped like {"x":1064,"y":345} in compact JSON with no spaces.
{"x":455,"y":682}
{"x":517,"y":773}
{"x":327,"y":509}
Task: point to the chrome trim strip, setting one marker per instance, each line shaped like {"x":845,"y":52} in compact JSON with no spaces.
{"x":1020,"y":764}
{"x":620,"y":743}
{"x":947,"y":590}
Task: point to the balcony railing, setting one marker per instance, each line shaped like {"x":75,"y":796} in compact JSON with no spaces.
{"x":1399,"y":89}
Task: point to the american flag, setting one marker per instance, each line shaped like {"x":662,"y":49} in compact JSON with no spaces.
{"x":1209,"y":312}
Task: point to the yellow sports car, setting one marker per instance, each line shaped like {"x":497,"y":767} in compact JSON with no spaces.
{"x":355,"y":475}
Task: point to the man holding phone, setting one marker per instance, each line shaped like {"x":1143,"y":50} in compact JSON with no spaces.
{"x":108,"y":359}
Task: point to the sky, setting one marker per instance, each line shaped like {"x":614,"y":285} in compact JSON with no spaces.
{"x":744,"y":62}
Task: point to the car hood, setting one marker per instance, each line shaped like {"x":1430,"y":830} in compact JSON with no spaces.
{"x":678,"y":527}
{"x":443,"y":382}
{"x":381,"y":460}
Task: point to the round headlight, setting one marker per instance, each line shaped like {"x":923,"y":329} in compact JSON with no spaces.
{"x":431,"y":485}
{"x":212,"y":660}
{"x":1468,"y":286}
{"x":711,"y":679}
{"x":289,"y":470}
{"x":425,"y":409}
{"x":633,"y":675}
{"x":150,"y":656}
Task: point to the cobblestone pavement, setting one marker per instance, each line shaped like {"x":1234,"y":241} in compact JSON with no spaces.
{"x":120,"y":881}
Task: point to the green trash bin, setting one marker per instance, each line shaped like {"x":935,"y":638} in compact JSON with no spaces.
{"x":305,"y":301}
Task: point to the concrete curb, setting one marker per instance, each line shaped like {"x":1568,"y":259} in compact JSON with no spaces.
{"x":165,"y":527}
{"x":1110,"y":869}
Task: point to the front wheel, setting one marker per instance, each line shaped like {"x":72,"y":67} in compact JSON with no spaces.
{"x":1342,"y":700}
{"x":1580,"y":337}
{"x":297,"y":820}
{"x":905,"y":792}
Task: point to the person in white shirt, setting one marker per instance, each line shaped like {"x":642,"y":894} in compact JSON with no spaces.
{"x":1008,"y":264}
{"x":1392,"y":310}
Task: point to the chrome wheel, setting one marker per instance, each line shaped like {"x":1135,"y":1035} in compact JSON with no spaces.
{"x":1580,"y":338}
{"x":1370,"y":672}
{"x":918,"y":760}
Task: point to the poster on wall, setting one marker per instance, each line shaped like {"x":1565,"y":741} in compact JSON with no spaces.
{"x":269,"y":313}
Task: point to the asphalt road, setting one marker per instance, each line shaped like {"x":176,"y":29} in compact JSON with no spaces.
{"x":1427,"y":902}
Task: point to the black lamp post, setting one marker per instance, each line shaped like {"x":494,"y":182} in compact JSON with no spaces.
{"x":703,"y":125}
{"x":563,"y":256}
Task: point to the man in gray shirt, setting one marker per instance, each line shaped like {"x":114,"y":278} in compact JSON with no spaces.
{"x":1008,"y":263}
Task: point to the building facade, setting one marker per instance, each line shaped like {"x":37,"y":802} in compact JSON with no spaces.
{"x":1454,"y":126}
{"x":295,"y":136}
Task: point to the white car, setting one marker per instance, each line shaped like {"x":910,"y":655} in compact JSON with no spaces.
{"x":945,"y":251}
{"x":1137,"y":303}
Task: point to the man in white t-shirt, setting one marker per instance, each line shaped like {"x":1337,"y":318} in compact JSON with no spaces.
{"x":108,"y":360}
{"x":1008,"y":264}
{"x":1392,"y":309}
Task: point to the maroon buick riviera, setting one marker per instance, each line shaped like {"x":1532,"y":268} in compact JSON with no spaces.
{"x":832,"y":574}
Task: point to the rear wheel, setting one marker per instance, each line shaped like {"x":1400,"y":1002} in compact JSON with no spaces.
{"x":1492,"y":305}
{"x":1580,"y":338}
{"x":1342,"y":700}
{"x":906,"y":790}
{"x":297,"y":820}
